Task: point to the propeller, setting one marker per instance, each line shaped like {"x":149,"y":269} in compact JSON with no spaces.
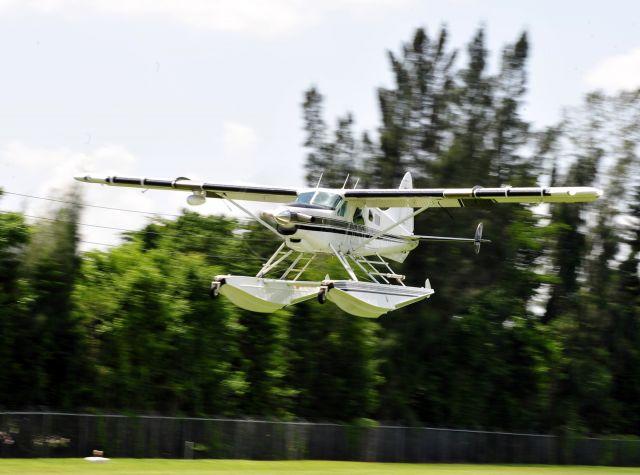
{"x":477,"y":239}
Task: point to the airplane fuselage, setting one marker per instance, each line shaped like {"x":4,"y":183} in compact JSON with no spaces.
{"x":342,"y":228}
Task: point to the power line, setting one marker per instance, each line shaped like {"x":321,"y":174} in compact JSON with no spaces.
{"x":91,"y":206}
{"x":82,"y":240}
{"x":97,"y":243}
{"x":113,"y":209}
{"x":126,"y":210}
{"x":188,"y":233}
{"x":167,"y":292}
{"x":233,"y":258}
{"x":73,"y":222}
{"x":242,"y":240}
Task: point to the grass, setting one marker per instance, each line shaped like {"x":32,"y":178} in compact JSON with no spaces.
{"x":248,"y":467}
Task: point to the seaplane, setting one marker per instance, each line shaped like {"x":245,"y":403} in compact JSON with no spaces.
{"x":364,"y":229}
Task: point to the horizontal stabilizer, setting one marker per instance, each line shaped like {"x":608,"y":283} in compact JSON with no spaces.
{"x":447,"y":239}
{"x":476,"y":240}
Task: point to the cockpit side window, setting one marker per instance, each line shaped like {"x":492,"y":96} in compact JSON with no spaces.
{"x":357,"y":217}
{"x":343,"y":209}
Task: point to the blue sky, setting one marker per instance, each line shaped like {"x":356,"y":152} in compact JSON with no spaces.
{"x":212,"y":89}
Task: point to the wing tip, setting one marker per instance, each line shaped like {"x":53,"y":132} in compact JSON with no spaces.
{"x":580,"y":193}
{"x":90,"y":179}
{"x":592,"y":192}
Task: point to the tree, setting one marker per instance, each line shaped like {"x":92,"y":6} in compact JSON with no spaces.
{"x":511,"y":132}
{"x":55,"y":374}
{"x":333,"y":160}
{"x":596,"y":333}
{"x":318,"y":158}
{"x":415,"y":112}
{"x":158,"y":342}
{"x":624,"y":335}
{"x":334,"y":367}
{"x":477,"y":137}
{"x":14,"y":235}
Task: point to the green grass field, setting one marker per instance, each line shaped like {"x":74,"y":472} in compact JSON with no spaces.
{"x":244,"y":467}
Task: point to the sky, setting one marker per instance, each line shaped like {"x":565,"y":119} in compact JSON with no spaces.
{"x":211,"y":89}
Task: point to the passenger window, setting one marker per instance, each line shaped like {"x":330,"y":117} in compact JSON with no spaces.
{"x":357,"y":217}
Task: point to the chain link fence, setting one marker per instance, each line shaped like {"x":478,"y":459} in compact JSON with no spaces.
{"x":37,"y":434}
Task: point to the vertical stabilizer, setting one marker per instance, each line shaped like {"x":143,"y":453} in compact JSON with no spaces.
{"x":398,"y":214}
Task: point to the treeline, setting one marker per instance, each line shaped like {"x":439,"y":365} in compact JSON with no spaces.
{"x":540,"y":332}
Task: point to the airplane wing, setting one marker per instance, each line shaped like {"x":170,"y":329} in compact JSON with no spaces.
{"x":379,"y":198}
{"x":468,"y":197}
{"x":212,"y":190}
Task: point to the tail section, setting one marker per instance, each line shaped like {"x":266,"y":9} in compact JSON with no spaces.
{"x":398,"y":214}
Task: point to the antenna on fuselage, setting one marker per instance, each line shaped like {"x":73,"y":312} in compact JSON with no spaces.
{"x":345,"y":181}
{"x":319,"y":180}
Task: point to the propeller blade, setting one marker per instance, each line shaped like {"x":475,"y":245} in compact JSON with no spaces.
{"x":477,"y":240}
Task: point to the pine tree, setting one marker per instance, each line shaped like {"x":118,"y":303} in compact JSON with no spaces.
{"x":584,"y":135}
{"x":624,"y":335}
{"x":318,"y":158}
{"x":415,"y":111}
{"x":332,"y":159}
{"x":597,"y":381}
{"x":510,"y":131}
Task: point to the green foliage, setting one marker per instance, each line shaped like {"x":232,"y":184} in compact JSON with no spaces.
{"x":41,"y":332}
{"x":334,"y":364}
{"x":14,"y":362}
{"x":159,"y":340}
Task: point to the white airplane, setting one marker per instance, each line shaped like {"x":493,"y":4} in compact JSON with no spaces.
{"x":361,"y":227}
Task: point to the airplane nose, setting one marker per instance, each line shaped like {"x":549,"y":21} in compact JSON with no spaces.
{"x":283,"y":217}
{"x":267,"y":216}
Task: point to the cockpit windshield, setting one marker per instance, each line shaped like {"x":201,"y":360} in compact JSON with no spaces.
{"x":322,"y":199}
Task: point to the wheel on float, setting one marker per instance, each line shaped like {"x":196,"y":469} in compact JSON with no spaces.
{"x":214,"y":291}
{"x":322,"y":295}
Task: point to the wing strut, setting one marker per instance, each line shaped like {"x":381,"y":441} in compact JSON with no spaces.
{"x":260,"y":220}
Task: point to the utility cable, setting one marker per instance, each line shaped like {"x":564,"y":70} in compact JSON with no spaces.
{"x":112,"y":209}
{"x":91,"y":206}
{"x":188,"y":233}
{"x":230,"y":257}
